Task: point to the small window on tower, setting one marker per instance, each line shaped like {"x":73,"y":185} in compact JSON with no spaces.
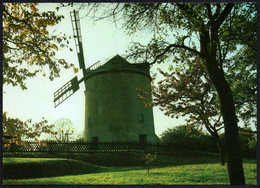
{"x":141,"y":118}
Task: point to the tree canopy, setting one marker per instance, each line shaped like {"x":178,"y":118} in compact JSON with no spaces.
{"x":27,"y":44}
{"x":63,"y":127}
{"x":14,"y":129}
{"x":187,"y":91}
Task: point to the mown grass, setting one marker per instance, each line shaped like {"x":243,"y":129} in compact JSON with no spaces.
{"x":194,"y":174}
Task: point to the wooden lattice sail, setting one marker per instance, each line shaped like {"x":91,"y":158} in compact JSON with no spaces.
{"x":73,"y":85}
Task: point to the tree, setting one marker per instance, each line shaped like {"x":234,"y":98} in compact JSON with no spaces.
{"x":14,"y":129}
{"x":27,"y":42}
{"x":203,"y":29}
{"x":28,"y":47}
{"x":149,"y":158}
{"x":187,"y":91}
{"x":64,"y":128}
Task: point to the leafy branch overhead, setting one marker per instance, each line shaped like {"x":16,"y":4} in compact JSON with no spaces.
{"x":28,"y":46}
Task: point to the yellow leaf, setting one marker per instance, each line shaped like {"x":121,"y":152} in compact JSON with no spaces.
{"x":54,"y":46}
{"x":76,"y":70}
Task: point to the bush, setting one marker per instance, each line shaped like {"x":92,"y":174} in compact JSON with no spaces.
{"x":189,"y":138}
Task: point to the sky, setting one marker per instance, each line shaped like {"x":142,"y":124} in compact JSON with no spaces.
{"x":101,"y":41}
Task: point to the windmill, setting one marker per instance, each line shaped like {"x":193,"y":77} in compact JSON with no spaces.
{"x":73,"y":85}
{"x":113,"y":112}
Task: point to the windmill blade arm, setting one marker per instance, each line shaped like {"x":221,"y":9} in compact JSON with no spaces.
{"x":66,"y":91}
{"x":78,"y":38}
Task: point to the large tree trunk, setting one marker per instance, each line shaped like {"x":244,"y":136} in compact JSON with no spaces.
{"x":234,"y":161}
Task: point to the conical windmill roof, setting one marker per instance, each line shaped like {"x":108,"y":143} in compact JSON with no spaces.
{"x":118,"y":63}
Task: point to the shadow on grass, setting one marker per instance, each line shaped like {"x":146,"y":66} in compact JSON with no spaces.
{"x":47,"y":169}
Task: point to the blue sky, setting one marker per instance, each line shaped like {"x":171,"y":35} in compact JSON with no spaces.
{"x":101,"y":41}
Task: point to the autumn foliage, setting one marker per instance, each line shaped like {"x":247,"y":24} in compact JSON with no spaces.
{"x":27,"y":44}
{"x":14,"y":129}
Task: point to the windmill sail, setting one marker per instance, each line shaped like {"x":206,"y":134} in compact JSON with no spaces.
{"x":78,"y":38}
{"x":66,"y":91}
{"x":73,"y":85}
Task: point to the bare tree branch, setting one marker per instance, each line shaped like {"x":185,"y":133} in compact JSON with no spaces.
{"x":174,"y":46}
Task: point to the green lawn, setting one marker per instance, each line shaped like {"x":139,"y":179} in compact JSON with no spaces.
{"x":170,"y":175}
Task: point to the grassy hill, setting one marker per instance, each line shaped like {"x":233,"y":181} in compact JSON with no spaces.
{"x":17,"y":168}
{"x":46,"y":171}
